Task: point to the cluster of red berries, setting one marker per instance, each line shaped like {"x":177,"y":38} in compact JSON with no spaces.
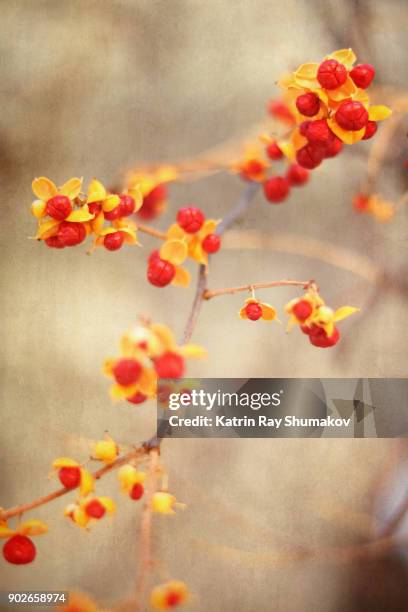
{"x":350,"y":115}
{"x":127,"y":371}
{"x":317,"y":335}
{"x":277,"y":188}
{"x":71,"y":233}
{"x":161,"y":272}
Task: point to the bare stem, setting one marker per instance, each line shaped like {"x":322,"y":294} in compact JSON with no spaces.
{"x":208,"y":295}
{"x":145,"y":559}
{"x":239,"y":209}
{"x":151,"y":231}
{"x":40,"y":501}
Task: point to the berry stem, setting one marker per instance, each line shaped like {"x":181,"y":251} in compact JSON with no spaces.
{"x":151,"y":231}
{"x":239,"y":209}
{"x":145,"y":535}
{"x":208,"y":295}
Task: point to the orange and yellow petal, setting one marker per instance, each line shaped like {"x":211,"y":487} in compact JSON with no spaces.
{"x":44,"y":188}
{"x":72,"y":188}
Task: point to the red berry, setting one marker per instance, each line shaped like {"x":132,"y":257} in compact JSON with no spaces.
{"x":154,"y":256}
{"x":297,"y":175}
{"x":71,"y":234}
{"x":137,"y":398}
{"x":169,"y":365}
{"x":360,"y":202}
{"x":95,"y":208}
{"x":153,"y":202}
{"x":317,"y":132}
{"x":322,"y":340}
{"x":331,"y":74}
{"x":333,"y":148}
{"x":308,"y":104}
{"x":253,"y":311}
{"x":54,"y":242}
{"x":127,"y":371}
{"x":173,"y":599}
{"x":302,"y":310}
{"x":370,"y":130}
{"x":252,"y":170}
{"x":276,"y":189}
{"x":113,"y":241}
{"x":70,"y":477}
{"x":211,"y":243}
{"x":362,"y":75}
{"x":190,"y":219}
{"x":95,"y":509}
{"x":19,"y":550}
{"x":281,"y":111}
{"x":309,"y":156}
{"x":58,"y":207}
{"x":160,"y":272}
{"x":351,"y":115}
{"x":114,"y":214}
{"x":137,"y":491}
{"x":273,"y":151}
{"x":127,"y":205}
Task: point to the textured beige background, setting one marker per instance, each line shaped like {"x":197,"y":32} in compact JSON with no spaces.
{"x":88,"y":88}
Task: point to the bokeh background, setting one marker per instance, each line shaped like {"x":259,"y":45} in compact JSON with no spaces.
{"x":93,"y":88}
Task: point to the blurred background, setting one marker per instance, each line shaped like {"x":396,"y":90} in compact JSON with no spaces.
{"x":93,"y":88}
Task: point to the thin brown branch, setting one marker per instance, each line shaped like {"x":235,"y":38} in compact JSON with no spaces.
{"x":145,"y":559}
{"x":208,"y":295}
{"x":197,"y":303}
{"x":41,"y":501}
{"x":151,"y":231}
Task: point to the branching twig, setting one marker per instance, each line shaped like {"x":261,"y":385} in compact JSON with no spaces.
{"x":208,"y":295}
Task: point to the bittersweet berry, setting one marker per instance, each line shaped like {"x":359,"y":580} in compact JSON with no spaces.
{"x":281,"y":111}
{"x":160,"y":272}
{"x":273,"y":151}
{"x":360,"y":202}
{"x":113,"y":241}
{"x":333,"y":147}
{"x":308,"y":104}
{"x":153,"y":203}
{"x":362,"y":75}
{"x":127,"y":371}
{"x":169,"y":365}
{"x":331,"y":74}
{"x":173,"y":598}
{"x":70,"y":477}
{"x":114,"y":214}
{"x":95,"y":509}
{"x":211,"y":243}
{"x":317,"y":132}
{"x":71,"y":233}
{"x":137,"y":398}
{"x":190,"y":219}
{"x":370,"y":130}
{"x":137,"y":491}
{"x":54,"y":242}
{"x":302,"y":310}
{"x":127,"y":205}
{"x":351,"y":115}
{"x":95,"y":208}
{"x":253,"y":311}
{"x":19,"y":550}
{"x":252,"y":170}
{"x":276,"y":189}
{"x":297,"y":175}
{"x":58,"y":207}
{"x":309,"y":156}
{"x":322,"y":340}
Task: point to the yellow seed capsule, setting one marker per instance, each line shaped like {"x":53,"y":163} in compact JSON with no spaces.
{"x":105,"y":450}
{"x":163,"y":502}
